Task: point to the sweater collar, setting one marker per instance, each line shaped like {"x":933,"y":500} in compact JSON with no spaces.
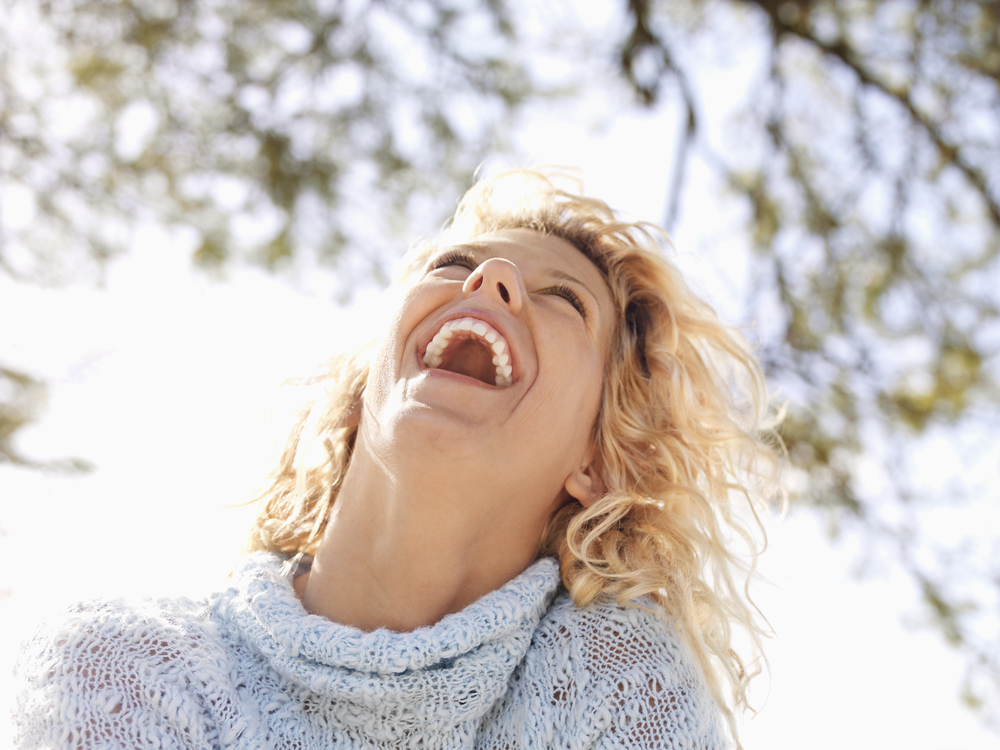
{"x":436,"y":682}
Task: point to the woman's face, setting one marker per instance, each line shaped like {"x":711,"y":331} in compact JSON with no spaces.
{"x":494,"y":361}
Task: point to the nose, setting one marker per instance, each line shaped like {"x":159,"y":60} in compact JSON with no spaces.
{"x":499,"y":278}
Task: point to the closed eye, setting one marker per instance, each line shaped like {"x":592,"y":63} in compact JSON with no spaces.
{"x":454,"y":258}
{"x":567,"y":293}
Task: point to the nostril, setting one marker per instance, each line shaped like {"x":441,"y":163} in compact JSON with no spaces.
{"x":477,"y":283}
{"x":503,"y":292}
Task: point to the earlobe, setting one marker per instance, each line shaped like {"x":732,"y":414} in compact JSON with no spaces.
{"x":353,"y":417}
{"x":584,"y":486}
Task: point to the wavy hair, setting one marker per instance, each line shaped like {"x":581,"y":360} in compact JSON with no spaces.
{"x":682,"y":448}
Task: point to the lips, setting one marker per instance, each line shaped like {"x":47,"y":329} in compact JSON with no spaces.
{"x":471,"y":347}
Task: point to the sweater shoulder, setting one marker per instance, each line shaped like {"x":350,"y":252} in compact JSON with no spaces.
{"x":613,"y":638}
{"x":625,"y":673}
{"x":112,"y":671}
{"x":117,"y":633}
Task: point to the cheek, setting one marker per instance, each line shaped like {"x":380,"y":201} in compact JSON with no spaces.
{"x":576,"y":389}
{"x":584,"y":370}
{"x":589,"y":393}
{"x":378,"y":389}
{"x":414,"y":306}
{"x":389,"y":351}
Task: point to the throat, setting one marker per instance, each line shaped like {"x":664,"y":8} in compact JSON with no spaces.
{"x":406,"y":548}
{"x":471,"y":358}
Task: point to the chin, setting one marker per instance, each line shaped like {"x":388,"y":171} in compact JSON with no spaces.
{"x":430,"y":432}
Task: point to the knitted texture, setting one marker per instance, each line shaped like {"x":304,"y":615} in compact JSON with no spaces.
{"x":523,"y":667}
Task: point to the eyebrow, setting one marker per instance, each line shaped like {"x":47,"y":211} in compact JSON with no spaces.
{"x":563,"y":276}
{"x":476,"y":247}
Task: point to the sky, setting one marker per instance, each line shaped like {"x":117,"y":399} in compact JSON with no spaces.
{"x":162,"y":378}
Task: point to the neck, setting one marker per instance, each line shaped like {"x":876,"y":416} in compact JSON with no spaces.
{"x":401,"y":552}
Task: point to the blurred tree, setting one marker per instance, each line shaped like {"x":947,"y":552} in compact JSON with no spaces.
{"x":866,"y":146}
{"x":255,"y":125}
{"x":863,"y":152}
{"x":279,"y":133}
{"x":21,"y":399}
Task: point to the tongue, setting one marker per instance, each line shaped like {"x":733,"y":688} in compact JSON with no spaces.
{"x":470,"y":357}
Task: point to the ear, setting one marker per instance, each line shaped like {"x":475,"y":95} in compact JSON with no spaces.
{"x":584,"y":485}
{"x":353,"y":417}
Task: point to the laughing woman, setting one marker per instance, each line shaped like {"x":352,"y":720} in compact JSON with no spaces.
{"x":506,"y":524}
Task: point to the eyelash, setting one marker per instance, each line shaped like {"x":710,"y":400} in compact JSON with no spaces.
{"x":569,"y":295}
{"x":456,"y":258}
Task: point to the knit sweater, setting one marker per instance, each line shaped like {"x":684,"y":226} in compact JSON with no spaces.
{"x":522,"y":667}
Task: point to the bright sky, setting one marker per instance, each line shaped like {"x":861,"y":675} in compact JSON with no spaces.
{"x":161,"y":379}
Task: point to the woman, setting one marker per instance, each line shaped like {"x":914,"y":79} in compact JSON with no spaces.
{"x":506,"y":524}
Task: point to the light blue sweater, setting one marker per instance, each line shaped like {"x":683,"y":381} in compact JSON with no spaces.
{"x":523,"y":667}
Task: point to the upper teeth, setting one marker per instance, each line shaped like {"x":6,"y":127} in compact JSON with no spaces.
{"x":501,"y":357}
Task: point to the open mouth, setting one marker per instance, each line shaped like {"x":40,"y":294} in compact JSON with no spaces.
{"x":471,"y":347}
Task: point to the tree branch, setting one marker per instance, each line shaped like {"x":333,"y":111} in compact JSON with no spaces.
{"x":644,"y":37}
{"x":841,"y":51}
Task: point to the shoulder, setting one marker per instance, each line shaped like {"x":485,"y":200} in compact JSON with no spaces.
{"x":614,"y":640}
{"x":109,"y":632}
{"x":110,"y":668}
{"x":625,"y":673}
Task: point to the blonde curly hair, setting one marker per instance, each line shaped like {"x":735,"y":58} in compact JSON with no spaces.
{"x":679,"y":438}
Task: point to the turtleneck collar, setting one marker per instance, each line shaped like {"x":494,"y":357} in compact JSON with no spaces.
{"x":431,"y":686}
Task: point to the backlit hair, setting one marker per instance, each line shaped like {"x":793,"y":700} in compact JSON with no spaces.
{"x":681,"y":451}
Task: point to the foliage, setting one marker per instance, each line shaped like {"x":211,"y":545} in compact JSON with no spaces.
{"x":863,"y":153}
{"x":255,"y":130}
{"x":21,"y":401}
{"x":868,"y":154}
{"x":255,"y":125}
